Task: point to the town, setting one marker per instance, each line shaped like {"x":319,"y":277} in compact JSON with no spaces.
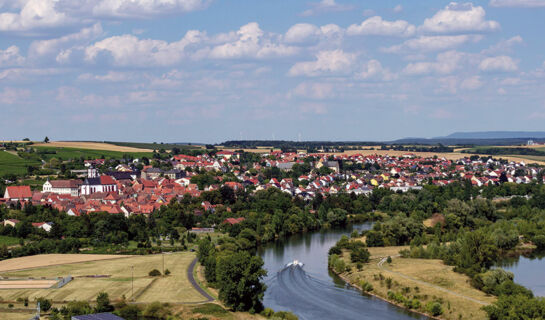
{"x":124,"y":189}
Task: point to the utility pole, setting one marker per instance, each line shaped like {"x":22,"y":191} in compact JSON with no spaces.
{"x":132,"y":282}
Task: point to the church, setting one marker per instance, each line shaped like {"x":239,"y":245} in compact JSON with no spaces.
{"x":97,"y":183}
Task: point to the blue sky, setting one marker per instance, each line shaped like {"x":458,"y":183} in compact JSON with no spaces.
{"x":215,"y":70}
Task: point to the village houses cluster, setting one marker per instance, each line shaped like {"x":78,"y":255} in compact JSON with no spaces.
{"x":125,"y":190}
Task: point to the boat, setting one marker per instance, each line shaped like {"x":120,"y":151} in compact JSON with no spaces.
{"x":295,"y":263}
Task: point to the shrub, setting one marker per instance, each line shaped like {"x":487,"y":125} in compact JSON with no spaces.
{"x":434,"y":308}
{"x":167,"y":272}
{"x":154,"y":273}
{"x":130,"y":312}
{"x":45,"y":304}
{"x":285,"y":315}
{"x":366,"y":286}
{"x":267,"y":312}
{"x":389,"y":260}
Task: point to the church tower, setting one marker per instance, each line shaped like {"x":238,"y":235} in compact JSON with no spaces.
{"x":92,"y":172}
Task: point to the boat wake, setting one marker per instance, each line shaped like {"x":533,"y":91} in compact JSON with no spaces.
{"x":311,"y":298}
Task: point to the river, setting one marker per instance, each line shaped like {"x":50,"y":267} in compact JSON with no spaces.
{"x":529,"y":271}
{"x":313,"y":292}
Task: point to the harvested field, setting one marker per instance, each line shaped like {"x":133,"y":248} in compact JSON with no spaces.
{"x":44,"y":260}
{"x":27,"y":284}
{"x":174,"y":288}
{"x":91,"y":146}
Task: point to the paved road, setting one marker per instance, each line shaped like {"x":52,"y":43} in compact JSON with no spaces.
{"x":380,"y":264}
{"x":194,"y":282}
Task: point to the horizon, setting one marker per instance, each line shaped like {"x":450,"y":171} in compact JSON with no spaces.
{"x":323,"y":70}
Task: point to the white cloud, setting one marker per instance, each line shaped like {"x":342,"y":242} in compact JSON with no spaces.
{"x":251,"y":42}
{"x":144,"y":8}
{"x":503,"y":45}
{"x":517,"y":3}
{"x":11,"y":57}
{"x":13,"y":95}
{"x":317,"y":91}
{"x":325,"y":6}
{"x":327,"y":62}
{"x":111,"y":76}
{"x":33,"y":14}
{"x":128,"y":50}
{"x":471,"y":83}
{"x":398,"y":8}
{"x":64,"y":46}
{"x":445,"y":63}
{"x":368,"y":12}
{"x":375,"y":26}
{"x":432,"y":43}
{"x":499,"y":63}
{"x":459,"y":17}
{"x":302,"y":33}
{"x":373,"y":70}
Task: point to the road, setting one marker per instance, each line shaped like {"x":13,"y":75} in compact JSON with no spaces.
{"x":195,"y":284}
{"x":380,"y":264}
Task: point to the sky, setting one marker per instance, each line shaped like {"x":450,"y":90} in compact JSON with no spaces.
{"x":208,"y":71}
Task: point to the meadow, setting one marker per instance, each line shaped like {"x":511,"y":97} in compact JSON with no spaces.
{"x":116,"y":276}
{"x":427,"y":279}
{"x":64,"y":153}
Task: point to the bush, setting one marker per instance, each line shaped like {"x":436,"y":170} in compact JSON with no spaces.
{"x":285,"y":315}
{"x":434,"y":308}
{"x":129,"y":312}
{"x":366,"y":286}
{"x":267,"y":312}
{"x":167,"y":272}
{"x":45,"y":304}
{"x":154,"y":273}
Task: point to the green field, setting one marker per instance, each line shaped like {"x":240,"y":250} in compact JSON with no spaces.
{"x":8,"y":241}
{"x":12,"y":164}
{"x":173,"y":288}
{"x":87,"y":154}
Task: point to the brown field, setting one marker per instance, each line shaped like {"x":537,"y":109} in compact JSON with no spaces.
{"x":44,"y":260}
{"x":116,"y":278}
{"x":425,"y":278}
{"x":91,"y":145}
{"x":26,"y":284}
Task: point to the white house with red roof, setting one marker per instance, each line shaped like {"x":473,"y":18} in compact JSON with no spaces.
{"x":18,"y":193}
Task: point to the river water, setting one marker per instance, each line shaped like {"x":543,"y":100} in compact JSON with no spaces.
{"x":313,"y":292}
{"x":529,"y":271}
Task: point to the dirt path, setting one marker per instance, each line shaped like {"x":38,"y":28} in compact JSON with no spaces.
{"x":194,"y":282}
{"x":380,"y":264}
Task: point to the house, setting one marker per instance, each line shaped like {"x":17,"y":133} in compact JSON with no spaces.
{"x":43,"y":225}
{"x":95,"y":183}
{"x":97,"y":316}
{"x":70,"y":187}
{"x":18,"y":193}
{"x":174,"y":174}
{"x":233,"y":221}
{"x":151,"y":173}
{"x":11,"y":222}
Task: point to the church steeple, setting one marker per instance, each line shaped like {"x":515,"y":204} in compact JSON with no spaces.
{"x":92,"y":172}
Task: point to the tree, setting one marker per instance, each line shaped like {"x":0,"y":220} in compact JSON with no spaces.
{"x":45,"y":304}
{"x":46,"y":140}
{"x":239,"y":277}
{"x":103,"y":303}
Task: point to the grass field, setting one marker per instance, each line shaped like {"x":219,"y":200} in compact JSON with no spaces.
{"x":65,"y":153}
{"x":173,"y":288}
{"x":423,"y":277}
{"x":8,"y":241}
{"x":45,"y":260}
{"x":12,"y":164}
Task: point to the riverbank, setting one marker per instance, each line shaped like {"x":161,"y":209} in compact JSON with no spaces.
{"x":416,"y":284}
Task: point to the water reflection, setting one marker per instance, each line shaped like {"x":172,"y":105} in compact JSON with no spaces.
{"x":529,"y":271}
{"x":313,"y":292}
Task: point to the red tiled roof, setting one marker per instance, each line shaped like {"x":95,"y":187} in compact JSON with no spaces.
{"x":19,"y":192}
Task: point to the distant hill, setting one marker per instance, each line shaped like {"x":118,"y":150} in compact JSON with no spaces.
{"x":496,"y":135}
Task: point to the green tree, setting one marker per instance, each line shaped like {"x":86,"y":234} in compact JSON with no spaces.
{"x":103,"y":303}
{"x":239,"y":277}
